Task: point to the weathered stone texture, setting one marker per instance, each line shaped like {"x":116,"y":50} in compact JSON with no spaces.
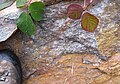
{"x":45,"y":56}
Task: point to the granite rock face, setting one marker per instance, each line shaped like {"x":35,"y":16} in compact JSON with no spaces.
{"x":58,"y":35}
{"x":8,"y":18}
{"x":6,"y":31}
{"x":69,"y":69}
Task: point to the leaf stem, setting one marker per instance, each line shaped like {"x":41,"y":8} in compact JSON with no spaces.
{"x":27,"y":4}
{"x":84,"y":6}
{"x":26,"y":10}
{"x":91,"y":1}
{"x":30,"y":1}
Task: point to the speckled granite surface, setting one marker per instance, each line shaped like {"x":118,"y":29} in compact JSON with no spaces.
{"x":58,"y":35}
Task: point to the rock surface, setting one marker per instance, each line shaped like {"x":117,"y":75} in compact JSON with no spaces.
{"x":69,"y":69}
{"x":58,"y":40}
{"x":8,"y":22}
{"x":6,"y":30}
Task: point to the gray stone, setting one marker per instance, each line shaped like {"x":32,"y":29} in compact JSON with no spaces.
{"x":8,"y":18}
{"x":57,"y":35}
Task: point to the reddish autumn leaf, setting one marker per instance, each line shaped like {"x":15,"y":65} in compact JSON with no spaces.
{"x":88,"y":7}
{"x":89,"y":22}
{"x":74,"y":11}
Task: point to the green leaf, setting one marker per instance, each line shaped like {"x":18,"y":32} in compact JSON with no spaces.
{"x":20,"y":3}
{"x":74,"y":11}
{"x":89,"y":22}
{"x":25,"y":24}
{"x":6,"y":3}
{"x":37,"y":10}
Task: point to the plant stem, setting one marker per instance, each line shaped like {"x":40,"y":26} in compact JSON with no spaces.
{"x":30,"y":1}
{"x":26,"y":8}
{"x":84,"y":4}
{"x":91,"y":1}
